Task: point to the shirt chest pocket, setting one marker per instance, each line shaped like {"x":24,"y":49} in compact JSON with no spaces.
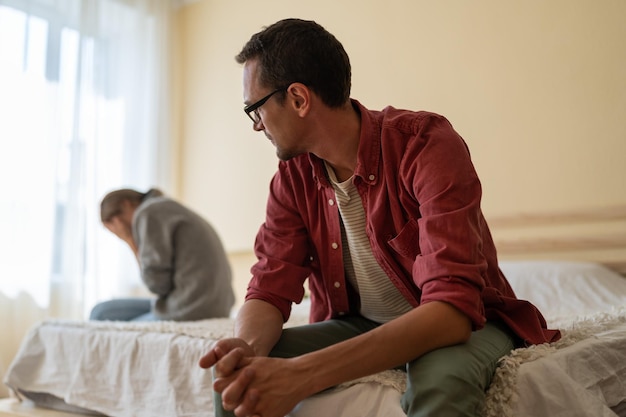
{"x":406,"y":243}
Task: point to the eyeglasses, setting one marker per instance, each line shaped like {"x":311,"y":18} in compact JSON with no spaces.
{"x":252,"y":110}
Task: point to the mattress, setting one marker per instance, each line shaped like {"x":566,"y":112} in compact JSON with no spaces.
{"x":147,"y":369}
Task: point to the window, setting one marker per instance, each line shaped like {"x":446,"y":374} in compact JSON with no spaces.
{"x":82,"y":89}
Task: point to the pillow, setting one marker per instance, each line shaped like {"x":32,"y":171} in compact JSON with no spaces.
{"x":565,"y":288}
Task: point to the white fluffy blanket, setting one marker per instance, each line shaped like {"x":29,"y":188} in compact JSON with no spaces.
{"x":602,"y":335}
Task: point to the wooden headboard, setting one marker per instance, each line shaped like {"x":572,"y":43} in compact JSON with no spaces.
{"x":593,"y":234}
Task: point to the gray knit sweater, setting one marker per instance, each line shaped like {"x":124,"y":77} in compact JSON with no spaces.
{"x":182,"y":261}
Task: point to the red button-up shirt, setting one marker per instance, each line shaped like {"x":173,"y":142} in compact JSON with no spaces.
{"x":421,"y":196}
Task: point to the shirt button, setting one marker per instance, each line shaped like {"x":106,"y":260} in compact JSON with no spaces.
{"x":334,"y":245}
{"x":372,"y":177}
{"x":337,"y":284}
{"x":331,"y":202}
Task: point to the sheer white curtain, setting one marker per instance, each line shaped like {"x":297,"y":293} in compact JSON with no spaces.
{"x":83,"y":110}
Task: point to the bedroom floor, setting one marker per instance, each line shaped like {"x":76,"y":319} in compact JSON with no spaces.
{"x":11,"y":407}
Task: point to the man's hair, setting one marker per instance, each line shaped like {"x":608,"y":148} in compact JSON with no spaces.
{"x":295,"y":50}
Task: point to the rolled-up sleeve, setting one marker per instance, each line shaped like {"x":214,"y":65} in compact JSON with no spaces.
{"x":282,"y":248}
{"x":451,"y":266}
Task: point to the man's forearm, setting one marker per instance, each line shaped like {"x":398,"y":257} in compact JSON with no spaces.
{"x":428,"y":327}
{"x":260,"y":325}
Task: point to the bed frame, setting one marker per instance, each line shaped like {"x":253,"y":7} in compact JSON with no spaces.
{"x":591,"y":234}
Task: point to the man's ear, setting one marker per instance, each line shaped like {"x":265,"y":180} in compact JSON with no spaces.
{"x":299,"y":96}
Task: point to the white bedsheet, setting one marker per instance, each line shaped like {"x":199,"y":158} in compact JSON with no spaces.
{"x":118,"y":371}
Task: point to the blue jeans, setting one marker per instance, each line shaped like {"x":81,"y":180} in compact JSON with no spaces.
{"x":124,"y":309}
{"x":450,"y":381}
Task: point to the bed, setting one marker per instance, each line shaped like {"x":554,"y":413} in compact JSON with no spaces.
{"x":149,"y":369}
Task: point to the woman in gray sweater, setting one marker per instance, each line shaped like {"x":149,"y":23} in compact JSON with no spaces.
{"x":180,"y":255}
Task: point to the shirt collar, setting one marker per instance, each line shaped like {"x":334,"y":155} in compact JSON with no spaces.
{"x":368,"y":157}
{"x":368,"y":154}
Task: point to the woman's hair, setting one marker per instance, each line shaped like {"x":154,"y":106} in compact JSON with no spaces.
{"x":111,"y":204}
{"x":295,"y":50}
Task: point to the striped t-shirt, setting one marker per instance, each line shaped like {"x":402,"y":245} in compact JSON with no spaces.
{"x":380,"y":299}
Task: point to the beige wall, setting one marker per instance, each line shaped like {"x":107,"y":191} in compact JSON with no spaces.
{"x":537,"y":89}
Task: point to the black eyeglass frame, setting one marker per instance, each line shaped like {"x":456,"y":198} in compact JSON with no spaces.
{"x":255,"y":106}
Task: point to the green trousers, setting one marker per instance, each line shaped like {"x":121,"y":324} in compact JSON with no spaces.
{"x":446,"y":382}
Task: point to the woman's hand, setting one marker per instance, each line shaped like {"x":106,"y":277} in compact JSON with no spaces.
{"x":123,"y":229}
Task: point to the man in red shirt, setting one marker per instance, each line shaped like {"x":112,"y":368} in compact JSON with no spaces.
{"x":380,"y":210}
